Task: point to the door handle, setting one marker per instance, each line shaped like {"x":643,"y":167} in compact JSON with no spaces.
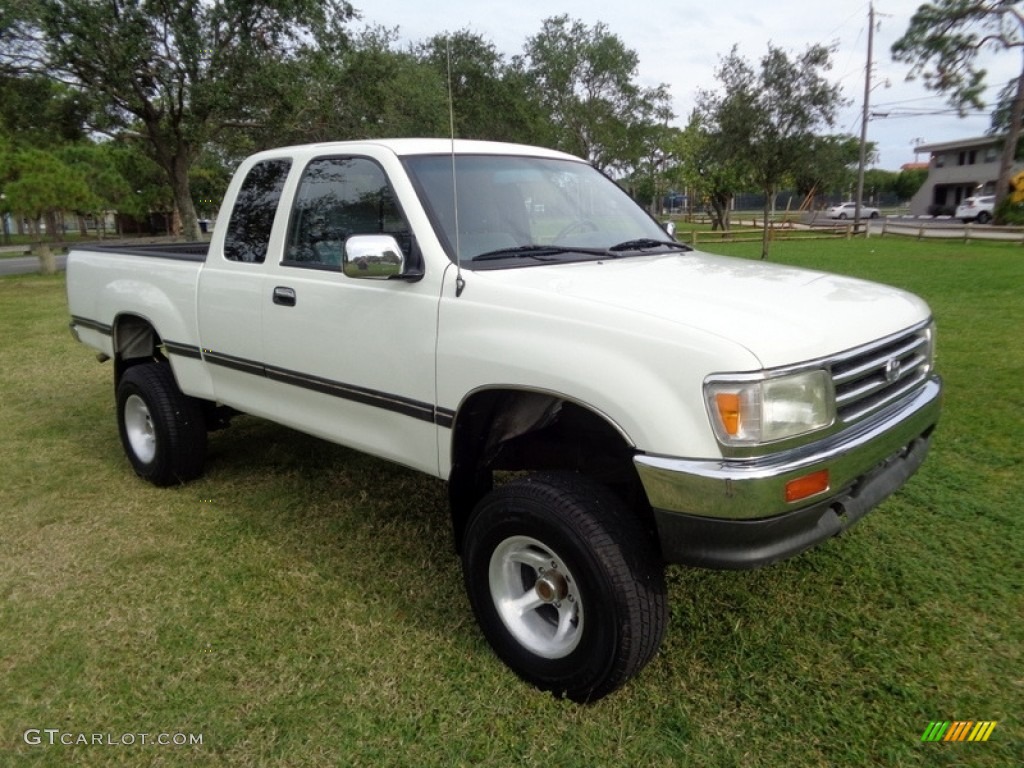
{"x":284,"y":296}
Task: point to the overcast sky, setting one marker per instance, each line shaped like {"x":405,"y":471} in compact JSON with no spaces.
{"x":680,"y":43}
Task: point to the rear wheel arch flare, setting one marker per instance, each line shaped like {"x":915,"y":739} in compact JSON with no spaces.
{"x":135,"y":340}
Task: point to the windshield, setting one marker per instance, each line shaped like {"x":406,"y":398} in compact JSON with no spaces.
{"x":517,"y":211}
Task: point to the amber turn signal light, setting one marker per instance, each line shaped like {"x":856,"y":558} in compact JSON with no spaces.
{"x":808,"y":485}
{"x":729,"y":411}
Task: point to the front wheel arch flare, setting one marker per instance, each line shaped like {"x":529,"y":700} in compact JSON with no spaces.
{"x":473,"y":442}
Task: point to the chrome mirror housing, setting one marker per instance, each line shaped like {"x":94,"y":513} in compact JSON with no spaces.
{"x":373,"y":257}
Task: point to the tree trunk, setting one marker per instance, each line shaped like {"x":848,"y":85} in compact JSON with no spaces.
{"x":41,"y":250}
{"x":47,"y":261}
{"x":716,"y":218}
{"x":1010,"y":143}
{"x":720,"y":205}
{"x":183,"y":197}
{"x":54,"y":229}
{"x":769,"y":198}
{"x":176,"y":161}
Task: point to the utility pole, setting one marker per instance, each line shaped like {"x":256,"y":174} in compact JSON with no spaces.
{"x":864,"y":120}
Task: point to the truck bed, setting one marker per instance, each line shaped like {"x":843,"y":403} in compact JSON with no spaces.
{"x":190,"y":251}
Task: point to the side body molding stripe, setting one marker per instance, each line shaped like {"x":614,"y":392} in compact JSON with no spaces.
{"x":92,"y":325}
{"x":416,"y":409}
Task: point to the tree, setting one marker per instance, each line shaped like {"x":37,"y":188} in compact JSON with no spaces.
{"x":38,"y":186}
{"x":176,"y":74}
{"x":38,"y":112}
{"x":942,"y":43}
{"x":908,"y":182}
{"x":769,"y":117}
{"x":147,"y":183}
{"x":711,"y":175}
{"x":828,"y":165}
{"x":364,"y":89}
{"x":653,"y":173}
{"x":878,"y":181}
{"x":491,"y":100}
{"x":97,"y":163}
{"x":585,"y":78}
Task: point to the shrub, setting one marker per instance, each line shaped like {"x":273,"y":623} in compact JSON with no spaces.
{"x":1010,"y":212}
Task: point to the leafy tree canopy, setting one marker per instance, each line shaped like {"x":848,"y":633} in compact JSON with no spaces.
{"x":764,"y":120}
{"x":178,"y":72}
{"x":585,"y":78}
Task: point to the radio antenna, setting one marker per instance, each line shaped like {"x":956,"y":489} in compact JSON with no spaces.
{"x":460,"y":284}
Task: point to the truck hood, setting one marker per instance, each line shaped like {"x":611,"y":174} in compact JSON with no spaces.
{"x":782,"y":315}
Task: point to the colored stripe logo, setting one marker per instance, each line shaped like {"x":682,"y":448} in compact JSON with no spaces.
{"x":959,"y":730}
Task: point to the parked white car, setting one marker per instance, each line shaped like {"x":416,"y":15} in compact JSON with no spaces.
{"x":848,"y":210}
{"x":977,"y":209}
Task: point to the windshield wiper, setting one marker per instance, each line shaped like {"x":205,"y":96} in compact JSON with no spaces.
{"x":534,"y":252}
{"x":539,"y":252}
{"x":644,"y":243}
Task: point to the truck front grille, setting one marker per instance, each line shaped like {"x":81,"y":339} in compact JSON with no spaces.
{"x":868,"y":378}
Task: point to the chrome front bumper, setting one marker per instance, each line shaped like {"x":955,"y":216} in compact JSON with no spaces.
{"x":733,"y":513}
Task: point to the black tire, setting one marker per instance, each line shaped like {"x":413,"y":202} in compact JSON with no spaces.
{"x":874,"y":215}
{"x":162,"y":430}
{"x":570,"y":546}
{"x":984,"y":217}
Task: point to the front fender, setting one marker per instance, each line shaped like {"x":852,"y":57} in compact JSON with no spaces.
{"x":642,"y":374}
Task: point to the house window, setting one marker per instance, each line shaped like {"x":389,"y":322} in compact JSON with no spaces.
{"x":940,"y":161}
{"x":991,"y":154}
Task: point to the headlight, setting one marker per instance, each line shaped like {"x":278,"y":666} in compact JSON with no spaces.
{"x":764,"y":410}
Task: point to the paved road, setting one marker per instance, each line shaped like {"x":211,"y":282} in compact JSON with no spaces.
{"x":24,"y":265}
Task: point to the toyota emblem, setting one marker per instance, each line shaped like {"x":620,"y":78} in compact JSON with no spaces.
{"x":892,"y":370}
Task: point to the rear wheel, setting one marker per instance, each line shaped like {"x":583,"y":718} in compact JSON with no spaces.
{"x":565,"y":584}
{"x":162,"y":430}
{"x":984,"y":217}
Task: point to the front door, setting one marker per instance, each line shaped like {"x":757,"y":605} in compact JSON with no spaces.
{"x":351,"y":358}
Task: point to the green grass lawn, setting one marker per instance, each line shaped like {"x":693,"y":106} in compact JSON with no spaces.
{"x":301,"y":604}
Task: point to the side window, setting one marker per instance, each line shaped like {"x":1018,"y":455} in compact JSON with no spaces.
{"x":252,"y":218}
{"x":337,"y":198}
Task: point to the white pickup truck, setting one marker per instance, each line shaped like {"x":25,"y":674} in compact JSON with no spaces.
{"x":601,"y":399}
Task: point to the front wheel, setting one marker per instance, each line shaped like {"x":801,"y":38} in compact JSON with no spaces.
{"x":984,"y":217}
{"x":565,"y":584}
{"x":162,"y":430}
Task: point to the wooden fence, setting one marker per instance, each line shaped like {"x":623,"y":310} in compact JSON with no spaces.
{"x":775,"y":233}
{"x":946,"y":230}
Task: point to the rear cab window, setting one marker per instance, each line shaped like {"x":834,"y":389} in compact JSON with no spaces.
{"x":252,"y":218}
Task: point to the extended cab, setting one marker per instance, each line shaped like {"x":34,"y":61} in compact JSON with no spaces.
{"x":601,"y":399}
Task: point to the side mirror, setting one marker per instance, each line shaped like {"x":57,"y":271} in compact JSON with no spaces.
{"x":670,"y":227}
{"x":375,"y":257}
